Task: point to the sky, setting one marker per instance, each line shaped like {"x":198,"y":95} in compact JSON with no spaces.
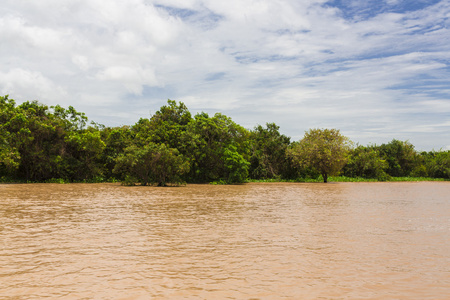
{"x":375,"y":69}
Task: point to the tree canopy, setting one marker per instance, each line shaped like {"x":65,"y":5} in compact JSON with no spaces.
{"x":324,"y":150}
{"x":40,"y":144}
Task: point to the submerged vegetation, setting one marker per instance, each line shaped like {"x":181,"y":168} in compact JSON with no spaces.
{"x":53,"y":144}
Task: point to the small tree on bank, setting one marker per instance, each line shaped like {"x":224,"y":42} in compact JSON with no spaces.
{"x":324,"y":150}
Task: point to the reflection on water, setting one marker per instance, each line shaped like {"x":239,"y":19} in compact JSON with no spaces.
{"x":254,"y":241}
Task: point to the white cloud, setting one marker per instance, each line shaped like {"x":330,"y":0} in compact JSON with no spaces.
{"x":297,"y":63}
{"x":133,"y":78}
{"x":30,"y":85}
{"x":82,"y":62}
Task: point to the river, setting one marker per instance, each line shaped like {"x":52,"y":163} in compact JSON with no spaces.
{"x":252,"y":241}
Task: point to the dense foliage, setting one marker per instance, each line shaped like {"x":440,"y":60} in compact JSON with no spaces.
{"x":324,"y":150}
{"x":40,"y":143}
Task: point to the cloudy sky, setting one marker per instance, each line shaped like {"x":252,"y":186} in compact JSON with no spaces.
{"x":375,"y":69}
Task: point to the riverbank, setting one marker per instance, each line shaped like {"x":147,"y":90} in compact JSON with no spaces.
{"x":352,"y":179}
{"x":306,"y":180}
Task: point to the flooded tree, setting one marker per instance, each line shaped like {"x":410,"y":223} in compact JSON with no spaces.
{"x":268,"y":152}
{"x":218,"y":149}
{"x":152,"y":163}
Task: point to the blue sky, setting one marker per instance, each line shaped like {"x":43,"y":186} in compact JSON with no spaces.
{"x":376,"y":70}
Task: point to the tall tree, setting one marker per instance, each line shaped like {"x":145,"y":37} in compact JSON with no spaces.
{"x":116,"y":139}
{"x":166,"y":126}
{"x":210,"y":143}
{"x":83,"y":157}
{"x":268,"y":146}
{"x":401,"y":157}
{"x":38,"y":136}
{"x":9,"y":154}
{"x":324,"y":150}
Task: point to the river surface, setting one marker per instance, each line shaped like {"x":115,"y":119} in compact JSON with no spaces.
{"x":252,"y":241}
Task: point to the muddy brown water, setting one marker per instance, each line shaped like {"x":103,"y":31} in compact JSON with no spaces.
{"x":253,"y":241}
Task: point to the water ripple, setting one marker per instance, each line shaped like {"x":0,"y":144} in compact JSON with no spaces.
{"x":254,"y":241}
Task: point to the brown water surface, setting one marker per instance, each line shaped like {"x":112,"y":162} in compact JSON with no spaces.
{"x":253,"y":241}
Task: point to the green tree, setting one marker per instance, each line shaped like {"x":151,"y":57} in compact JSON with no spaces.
{"x":166,"y":126}
{"x":438,"y":164}
{"x":236,"y":165}
{"x":72,"y":120}
{"x":401,"y":157}
{"x":268,"y":158}
{"x":152,"y":163}
{"x":9,"y":155}
{"x":366,"y":162}
{"x":84,"y":149}
{"x":39,"y":139}
{"x":324,"y":150}
{"x":38,"y":142}
{"x":116,"y":139}
{"x":209,"y":141}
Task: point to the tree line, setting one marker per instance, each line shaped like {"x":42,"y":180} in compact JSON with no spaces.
{"x":43,"y":144}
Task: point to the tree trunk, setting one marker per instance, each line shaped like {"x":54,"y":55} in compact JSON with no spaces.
{"x":325,"y":178}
